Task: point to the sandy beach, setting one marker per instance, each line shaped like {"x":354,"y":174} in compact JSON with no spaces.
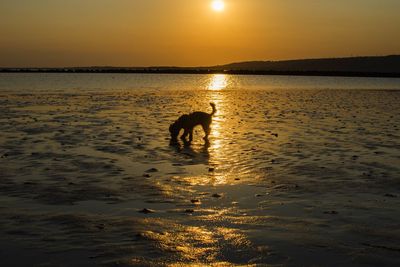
{"x":290,"y":177}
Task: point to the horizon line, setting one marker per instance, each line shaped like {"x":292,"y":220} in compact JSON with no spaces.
{"x":201,"y":66}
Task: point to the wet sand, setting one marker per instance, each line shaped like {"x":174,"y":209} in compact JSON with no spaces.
{"x":289,"y":178}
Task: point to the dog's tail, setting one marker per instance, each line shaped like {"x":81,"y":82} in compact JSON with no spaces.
{"x":214,"y":109}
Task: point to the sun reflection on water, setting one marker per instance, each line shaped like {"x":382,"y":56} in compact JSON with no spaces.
{"x":216,"y":95}
{"x":218,"y":82}
{"x":217,"y":153}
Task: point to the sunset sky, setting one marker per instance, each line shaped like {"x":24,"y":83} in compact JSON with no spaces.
{"x":51,"y":33}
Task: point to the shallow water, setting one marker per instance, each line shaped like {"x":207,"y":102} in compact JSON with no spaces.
{"x":299,"y":171}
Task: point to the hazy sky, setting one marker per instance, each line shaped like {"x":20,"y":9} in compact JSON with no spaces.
{"x":189,"y":33}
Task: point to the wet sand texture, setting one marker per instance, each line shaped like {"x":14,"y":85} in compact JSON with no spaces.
{"x":290,"y":178}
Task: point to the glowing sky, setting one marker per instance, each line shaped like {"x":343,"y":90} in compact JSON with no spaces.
{"x":190,"y":33}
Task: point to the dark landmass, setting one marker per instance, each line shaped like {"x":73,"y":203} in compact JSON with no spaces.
{"x":385,"y":66}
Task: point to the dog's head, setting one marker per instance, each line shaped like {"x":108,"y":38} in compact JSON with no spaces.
{"x":174,"y":131}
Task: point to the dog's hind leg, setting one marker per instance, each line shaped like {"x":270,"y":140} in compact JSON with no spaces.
{"x":191,"y":135}
{"x":206,"y":129}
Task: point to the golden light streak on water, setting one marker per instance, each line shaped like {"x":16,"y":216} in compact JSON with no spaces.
{"x":218,"y":82}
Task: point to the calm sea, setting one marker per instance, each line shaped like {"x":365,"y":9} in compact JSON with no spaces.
{"x":43,"y":82}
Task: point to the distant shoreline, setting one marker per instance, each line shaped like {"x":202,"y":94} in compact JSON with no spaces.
{"x":375,"y":66}
{"x":199,"y":71}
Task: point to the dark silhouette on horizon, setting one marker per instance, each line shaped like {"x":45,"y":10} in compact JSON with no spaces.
{"x":373,"y":66}
{"x":385,"y":64}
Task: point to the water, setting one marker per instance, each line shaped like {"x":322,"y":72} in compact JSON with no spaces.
{"x":99,"y":82}
{"x":299,"y":171}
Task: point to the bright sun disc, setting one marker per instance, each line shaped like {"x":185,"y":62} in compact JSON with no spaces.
{"x":218,"y":5}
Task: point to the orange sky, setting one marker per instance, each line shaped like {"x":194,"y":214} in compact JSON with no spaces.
{"x":51,"y":33}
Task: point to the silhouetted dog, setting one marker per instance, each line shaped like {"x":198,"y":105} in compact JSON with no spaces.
{"x":188,"y":121}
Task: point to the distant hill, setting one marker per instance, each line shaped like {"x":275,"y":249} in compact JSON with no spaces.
{"x":385,"y":64}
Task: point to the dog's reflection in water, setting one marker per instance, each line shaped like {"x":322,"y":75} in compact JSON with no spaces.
{"x":198,"y":153}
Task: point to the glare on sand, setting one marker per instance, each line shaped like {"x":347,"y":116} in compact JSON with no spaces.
{"x":192,"y":243}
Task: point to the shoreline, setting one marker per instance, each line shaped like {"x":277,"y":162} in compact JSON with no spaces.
{"x":199,"y":71}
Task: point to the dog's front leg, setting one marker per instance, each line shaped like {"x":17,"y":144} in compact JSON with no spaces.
{"x":185,"y":134}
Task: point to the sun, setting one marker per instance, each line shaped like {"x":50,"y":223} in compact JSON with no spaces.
{"x":218,"y":5}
